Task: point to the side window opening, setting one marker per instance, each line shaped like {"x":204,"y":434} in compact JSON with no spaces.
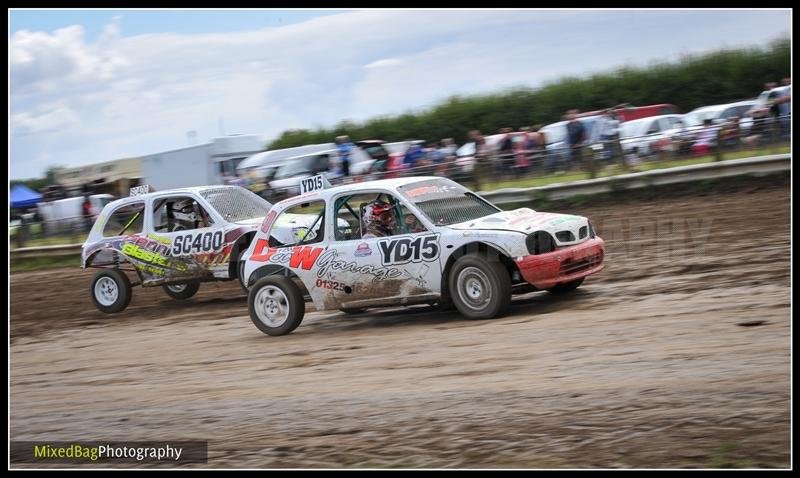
{"x":125,"y":220}
{"x":369,"y":215}
{"x":179,"y":214}
{"x":299,"y":225}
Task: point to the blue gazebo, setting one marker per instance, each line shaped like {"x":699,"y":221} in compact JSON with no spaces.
{"x":22,"y":197}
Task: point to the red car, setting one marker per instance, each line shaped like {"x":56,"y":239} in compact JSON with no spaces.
{"x":629,"y":113}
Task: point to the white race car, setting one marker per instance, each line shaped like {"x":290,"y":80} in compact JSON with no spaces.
{"x":410,"y":241}
{"x":176,"y":239}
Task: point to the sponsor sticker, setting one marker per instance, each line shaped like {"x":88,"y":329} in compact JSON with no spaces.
{"x":405,"y":249}
{"x":139,"y":190}
{"x":363,"y":250}
{"x":315,"y":183}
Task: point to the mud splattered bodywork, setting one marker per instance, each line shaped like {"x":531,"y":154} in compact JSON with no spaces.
{"x":437,"y":221}
{"x":177,"y":252}
{"x":155,"y":263}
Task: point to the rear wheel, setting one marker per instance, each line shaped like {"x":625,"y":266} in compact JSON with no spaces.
{"x":566,"y":287}
{"x":111,"y":291}
{"x":276,"y":305}
{"x":480,"y":287}
{"x":182,"y":291}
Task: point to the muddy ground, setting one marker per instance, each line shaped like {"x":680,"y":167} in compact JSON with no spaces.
{"x":677,"y":355}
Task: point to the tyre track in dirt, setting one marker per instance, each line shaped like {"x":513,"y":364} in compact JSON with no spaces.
{"x":646,"y":365}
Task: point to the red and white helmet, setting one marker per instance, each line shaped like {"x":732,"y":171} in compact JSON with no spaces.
{"x":379,"y":216}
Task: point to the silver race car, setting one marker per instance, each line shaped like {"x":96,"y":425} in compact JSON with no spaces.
{"x":175,"y":239}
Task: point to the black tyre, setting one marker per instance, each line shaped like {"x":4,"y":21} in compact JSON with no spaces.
{"x":276,"y":305}
{"x":111,"y":291}
{"x":444,"y":305}
{"x":480,"y":288}
{"x":182,"y":291}
{"x":566,"y":287}
{"x":359,"y":310}
{"x":240,"y":268}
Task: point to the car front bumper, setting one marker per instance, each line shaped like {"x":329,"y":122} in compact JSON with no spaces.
{"x":571,"y":263}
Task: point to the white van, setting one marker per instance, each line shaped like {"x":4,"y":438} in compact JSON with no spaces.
{"x":286,"y":180}
{"x":66,"y":214}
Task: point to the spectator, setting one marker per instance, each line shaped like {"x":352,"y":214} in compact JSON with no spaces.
{"x":771,"y":118}
{"x":481,"y":157}
{"x":432,"y":154}
{"x":519,"y":143}
{"x":608,"y":126}
{"x":758,"y":128}
{"x":730,"y":132}
{"x":345,"y":148}
{"x":536,"y":139}
{"x":576,"y":136}
{"x":446,"y":154}
{"x":763,"y":110}
{"x":448,"y":148}
{"x":706,"y":138}
{"x":784,"y":104}
{"x":505,"y":153}
{"x":87,"y":213}
{"x":413,"y":155}
{"x":536,"y":144}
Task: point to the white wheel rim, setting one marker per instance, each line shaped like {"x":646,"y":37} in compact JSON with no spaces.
{"x":106,"y":291}
{"x":177,"y":288}
{"x":272,"y":306}
{"x":474,"y":288}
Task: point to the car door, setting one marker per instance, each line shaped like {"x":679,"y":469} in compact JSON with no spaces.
{"x":365,"y":266}
{"x":194,"y":240}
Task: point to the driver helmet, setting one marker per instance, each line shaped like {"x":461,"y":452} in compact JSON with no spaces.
{"x":185,"y":211}
{"x":378,"y":218}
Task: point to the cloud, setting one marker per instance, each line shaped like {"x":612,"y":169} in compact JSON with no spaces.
{"x":386,"y":62}
{"x":122,"y":96}
{"x":58,"y":118}
{"x":42,"y":62}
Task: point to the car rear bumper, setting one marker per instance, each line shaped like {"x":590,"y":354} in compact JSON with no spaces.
{"x":544,"y":271}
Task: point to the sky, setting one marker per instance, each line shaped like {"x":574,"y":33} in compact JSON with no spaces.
{"x":96,"y":85}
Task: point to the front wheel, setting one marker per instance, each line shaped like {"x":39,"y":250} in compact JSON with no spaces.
{"x":566,"y":287}
{"x":182,"y":291}
{"x":276,"y":305}
{"x":111,"y":291}
{"x":480,"y":287}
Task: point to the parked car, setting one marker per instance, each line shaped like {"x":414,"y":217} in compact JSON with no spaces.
{"x":630,"y":112}
{"x":394,"y":161}
{"x":556,"y":136}
{"x":67,"y":214}
{"x":718,"y":114}
{"x":287,"y":178}
{"x":409,"y":241}
{"x":764,"y":97}
{"x":647,"y":136}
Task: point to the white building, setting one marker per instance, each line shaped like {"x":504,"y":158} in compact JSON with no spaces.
{"x":209,"y":163}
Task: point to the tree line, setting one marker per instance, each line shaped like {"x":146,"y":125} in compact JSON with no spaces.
{"x":695,"y":80}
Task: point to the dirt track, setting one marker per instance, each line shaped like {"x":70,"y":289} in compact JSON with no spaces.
{"x":677,"y":355}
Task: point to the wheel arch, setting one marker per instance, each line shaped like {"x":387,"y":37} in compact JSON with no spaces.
{"x":120,"y":258}
{"x":239,"y":247}
{"x":483,"y":248}
{"x":275,"y":269}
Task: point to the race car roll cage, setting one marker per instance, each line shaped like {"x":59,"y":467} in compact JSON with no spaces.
{"x":391,"y":200}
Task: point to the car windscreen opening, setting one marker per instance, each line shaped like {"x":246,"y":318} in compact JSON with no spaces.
{"x":445,"y":202}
